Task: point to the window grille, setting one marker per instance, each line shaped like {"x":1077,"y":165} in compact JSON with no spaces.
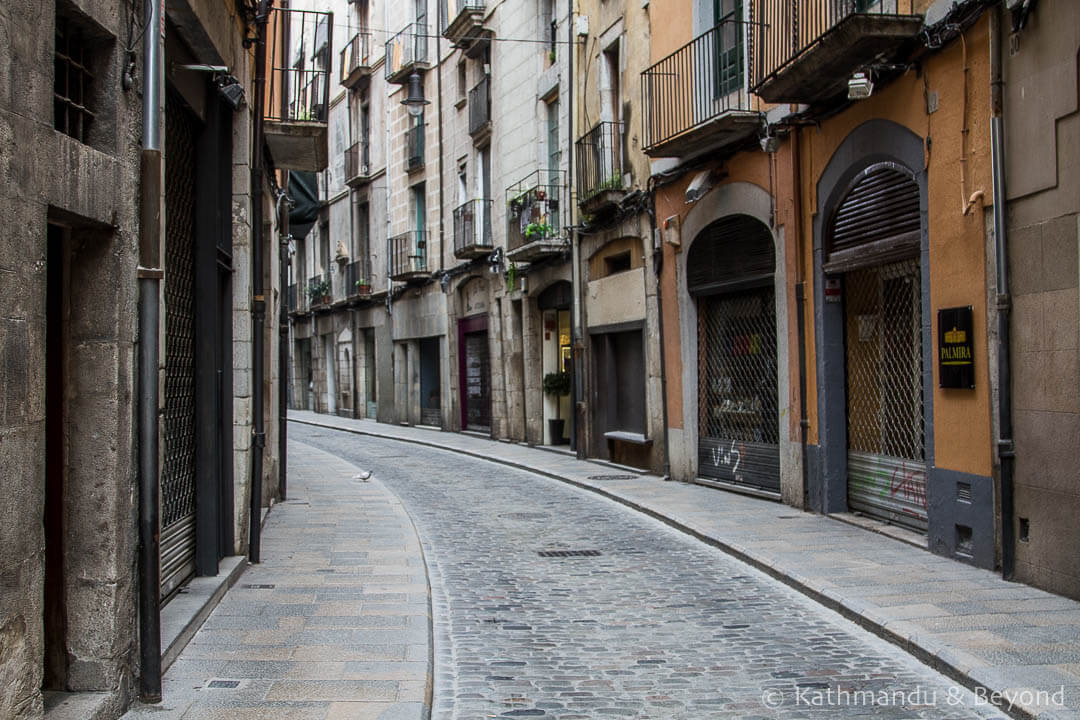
{"x":72,"y":82}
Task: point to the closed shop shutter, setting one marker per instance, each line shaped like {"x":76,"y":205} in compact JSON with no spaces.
{"x":730,"y":269}
{"x":878,"y":222}
{"x":477,"y":382}
{"x":178,"y":423}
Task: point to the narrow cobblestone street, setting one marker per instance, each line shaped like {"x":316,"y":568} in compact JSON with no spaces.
{"x":550,"y":601}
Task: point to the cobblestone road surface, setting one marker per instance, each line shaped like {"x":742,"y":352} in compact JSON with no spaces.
{"x":552,"y":602}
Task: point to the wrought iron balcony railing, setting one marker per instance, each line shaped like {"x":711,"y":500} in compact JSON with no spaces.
{"x":408,"y":255}
{"x":533,"y":210}
{"x":480,"y":106}
{"x":458,"y":17}
{"x":695,"y":85}
{"x":805,"y":50}
{"x":600,"y":160}
{"x":356,"y":59}
{"x":414,"y":147}
{"x":357,"y":163}
{"x":319,"y":290}
{"x":405,"y":51}
{"x":472,"y":229}
{"x":291,"y":297}
{"x":298,"y":92}
{"x":357,"y":282}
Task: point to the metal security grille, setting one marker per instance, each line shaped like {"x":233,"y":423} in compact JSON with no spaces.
{"x":72,"y":82}
{"x":885,"y":427}
{"x":477,"y":382}
{"x":737,"y":401}
{"x":178,"y":468}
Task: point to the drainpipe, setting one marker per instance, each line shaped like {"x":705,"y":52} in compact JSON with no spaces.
{"x":258,"y":301}
{"x":800,"y":308}
{"x":283,"y":336}
{"x":577,"y":387}
{"x":1006,"y":450}
{"x":658,"y":267}
{"x":150,"y":274}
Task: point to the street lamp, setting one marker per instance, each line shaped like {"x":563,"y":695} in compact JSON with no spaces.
{"x":415,"y":101}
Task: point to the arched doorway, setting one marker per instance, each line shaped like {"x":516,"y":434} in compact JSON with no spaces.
{"x":873,"y":240}
{"x":729,"y":273}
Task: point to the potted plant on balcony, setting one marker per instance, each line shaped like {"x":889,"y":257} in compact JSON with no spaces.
{"x":363,"y":287}
{"x":557,"y":384}
{"x":536,"y":231}
{"x":319,"y":292}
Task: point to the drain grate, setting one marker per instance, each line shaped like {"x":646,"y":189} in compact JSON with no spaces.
{"x":613,"y":477}
{"x":525,"y":516}
{"x":223,"y":684}
{"x":569,"y":553}
{"x":253,"y":586}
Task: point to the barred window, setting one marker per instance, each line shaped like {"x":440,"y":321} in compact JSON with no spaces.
{"x":72,"y":82}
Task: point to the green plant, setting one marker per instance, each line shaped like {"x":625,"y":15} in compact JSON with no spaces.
{"x":511,"y":278}
{"x":535,"y":231}
{"x":557,"y":383}
{"x":362,"y":283}
{"x":318,"y":290}
{"x":612,"y":183}
{"x":551,"y":56}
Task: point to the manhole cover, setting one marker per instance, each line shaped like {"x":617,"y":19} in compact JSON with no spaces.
{"x":613,"y":477}
{"x":525,"y":516}
{"x":223,"y":684}
{"x":568,"y":553}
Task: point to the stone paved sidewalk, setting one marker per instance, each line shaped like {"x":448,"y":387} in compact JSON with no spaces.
{"x":333,"y":624}
{"x":989,"y":634}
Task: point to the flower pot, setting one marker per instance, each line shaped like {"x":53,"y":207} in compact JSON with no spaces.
{"x":363,"y":289}
{"x":555,"y":428}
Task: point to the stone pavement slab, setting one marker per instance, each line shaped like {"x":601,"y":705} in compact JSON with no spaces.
{"x":334,"y":622}
{"x":991,"y":635}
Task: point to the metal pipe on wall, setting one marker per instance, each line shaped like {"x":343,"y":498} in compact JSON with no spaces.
{"x":1005,"y":447}
{"x":283,"y":338}
{"x":576,"y":342}
{"x":150,"y":273}
{"x":258,"y":301}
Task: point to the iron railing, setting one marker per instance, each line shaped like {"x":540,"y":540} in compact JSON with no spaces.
{"x":532,"y":208}
{"x":472,"y":225}
{"x":357,"y":161}
{"x":480,"y":105}
{"x":355,"y":55}
{"x":781,"y":30}
{"x":698,"y":82}
{"x":357,"y":281}
{"x":319,"y":289}
{"x":406,"y":49}
{"x":291,"y":296}
{"x":450,"y":10}
{"x":600,"y":160}
{"x":408,"y":253}
{"x":414,"y":147}
{"x":295,"y":90}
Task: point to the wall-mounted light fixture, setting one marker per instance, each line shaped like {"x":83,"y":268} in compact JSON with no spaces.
{"x":415,"y":101}
{"x":860,"y":86}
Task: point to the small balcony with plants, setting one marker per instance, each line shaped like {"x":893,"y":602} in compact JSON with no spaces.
{"x":405,"y":52}
{"x":318,"y":291}
{"x":357,"y":164}
{"x":357,"y":282}
{"x":297,"y":88}
{"x":534,"y":224}
{"x":356,"y":61}
{"x":806,"y":51}
{"x":462,"y":23}
{"x":472,"y":229}
{"x":600,"y":168}
{"x":695,"y":100}
{"x":409,"y":256}
{"x":480,"y":110}
{"x":414,"y":147}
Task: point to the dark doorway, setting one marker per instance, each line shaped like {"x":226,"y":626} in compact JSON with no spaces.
{"x":430,"y":386}
{"x":54,"y":605}
{"x":474,"y":373}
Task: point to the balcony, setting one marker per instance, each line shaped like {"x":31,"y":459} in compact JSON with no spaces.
{"x":318,"y":291}
{"x":297,"y":96}
{"x":600,"y":168}
{"x":356,"y":61}
{"x":462,"y":23}
{"x":357,"y":164}
{"x":414,"y":147}
{"x":472,"y":229}
{"x":405,"y":52}
{"x":480,"y":110}
{"x":408,"y":256}
{"x":695,"y":99}
{"x":357,"y":283}
{"x":533,"y":221}
{"x":804,"y":51}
